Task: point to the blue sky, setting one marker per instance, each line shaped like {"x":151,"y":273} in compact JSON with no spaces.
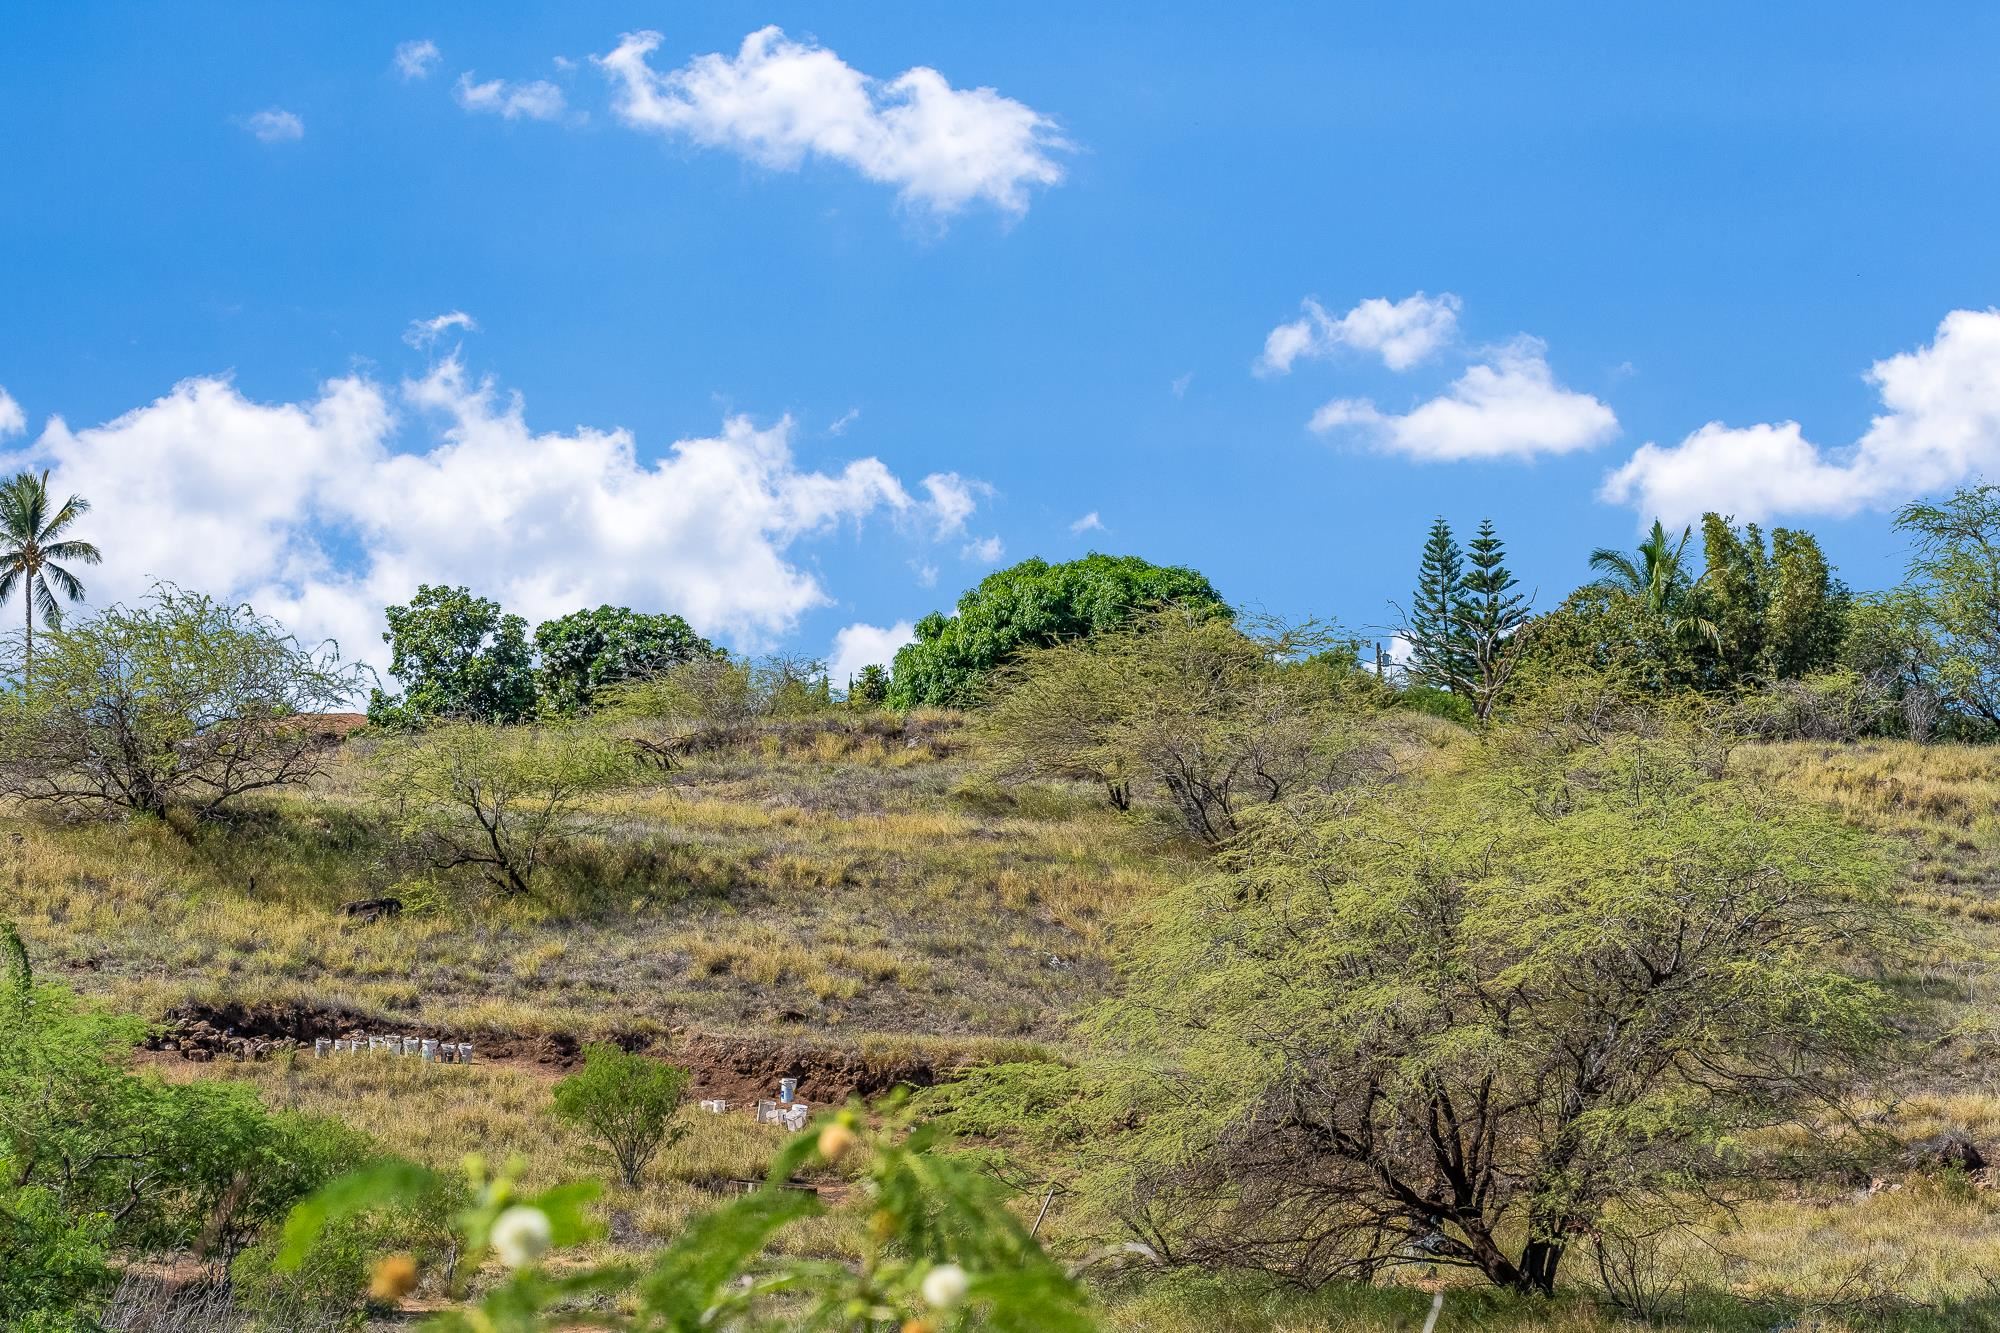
{"x":770,"y":265}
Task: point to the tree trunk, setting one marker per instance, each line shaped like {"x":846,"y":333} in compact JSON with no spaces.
{"x":1538,"y":1267}
{"x":28,"y":646}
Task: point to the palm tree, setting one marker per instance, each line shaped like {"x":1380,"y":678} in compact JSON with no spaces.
{"x":29,"y":550}
{"x":1658,"y":580}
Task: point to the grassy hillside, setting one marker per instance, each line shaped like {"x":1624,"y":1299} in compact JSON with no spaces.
{"x":842,"y":878}
{"x":863,"y":884}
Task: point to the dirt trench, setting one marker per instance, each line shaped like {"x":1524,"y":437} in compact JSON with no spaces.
{"x":736,"y":1067}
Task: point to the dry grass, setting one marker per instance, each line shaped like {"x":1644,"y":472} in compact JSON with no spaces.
{"x":851,"y":886}
{"x":839,"y":882}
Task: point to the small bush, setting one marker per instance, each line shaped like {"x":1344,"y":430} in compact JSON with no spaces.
{"x":628,"y":1102}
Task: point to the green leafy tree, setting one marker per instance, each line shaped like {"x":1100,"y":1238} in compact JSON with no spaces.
{"x":177,"y":702}
{"x":870,"y":688}
{"x":1805,"y":616}
{"x":456,"y":656}
{"x":1031,"y":605}
{"x":1490,"y":617}
{"x":1440,"y":655}
{"x":31,"y":545}
{"x":97,"y":1159}
{"x":1462,"y":1019}
{"x":1949,"y":629}
{"x":498,"y":800}
{"x":1777,"y":614}
{"x":628,"y":1102}
{"x":585,"y":651}
{"x":1736,"y":588}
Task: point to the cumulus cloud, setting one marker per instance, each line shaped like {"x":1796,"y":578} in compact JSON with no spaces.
{"x":1939,"y":426}
{"x":1402,"y":333}
{"x":537,"y":100}
{"x":422,"y":333}
{"x":12,"y":419}
{"x":984,"y":550}
{"x":1088,"y":523}
{"x":416,"y":59}
{"x":1507,"y":406}
{"x":275,"y":125}
{"x":778,"y":101}
{"x":325,"y":510}
{"x":952,"y":500}
{"x":858,"y":646}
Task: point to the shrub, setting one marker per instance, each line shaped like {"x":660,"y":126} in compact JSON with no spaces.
{"x":629,"y":1102}
{"x":179,"y":701}
{"x":500,"y":800}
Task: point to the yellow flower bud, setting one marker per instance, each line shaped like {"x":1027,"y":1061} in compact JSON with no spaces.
{"x":394,"y":1278}
{"x":835,"y":1139}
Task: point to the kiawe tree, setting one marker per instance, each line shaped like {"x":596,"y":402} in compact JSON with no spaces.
{"x":1462,"y":1019}
{"x":180,"y":702}
{"x":32,"y":546}
{"x":457,"y":656}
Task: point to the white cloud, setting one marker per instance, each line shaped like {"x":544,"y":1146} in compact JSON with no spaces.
{"x":858,"y":646}
{"x":321,"y":513}
{"x":1508,"y":406}
{"x":848,"y":418}
{"x":423,"y":333}
{"x":985,"y":550}
{"x":416,"y":59}
{"x":13,"y":420}
{"x":275,"y":125}
{"x":952,"y":500}
{"x":1180,"y":383}
{"x":1402,"y":333}
{"x":1940,"y":425}
{"x":778,"y":101}
{"x":1088,"y":523}
{"x":538,"y":100}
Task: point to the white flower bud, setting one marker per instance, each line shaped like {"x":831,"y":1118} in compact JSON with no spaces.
{"x":521,"y":1235}
{"x":944,"y":1286}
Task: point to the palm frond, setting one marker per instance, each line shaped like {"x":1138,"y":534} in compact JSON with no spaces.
{"x":81,"y":552}
{"x":67,"y":583}
{"x":46,"y":603}
{"x":10,"y":578}
{"x":72,"y":509}
{"x":1619,"y":567}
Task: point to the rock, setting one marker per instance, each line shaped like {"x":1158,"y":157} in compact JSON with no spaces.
{"x":373,"y":909}
{"x":1951,"y":1150}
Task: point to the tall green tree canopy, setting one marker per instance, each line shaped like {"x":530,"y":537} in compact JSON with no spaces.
{"x":1435,"y":624}
{"x":585,"y":651}
{"x":456,"y":656}
{"x":32,"y":547}
{"x":1031,"y":605}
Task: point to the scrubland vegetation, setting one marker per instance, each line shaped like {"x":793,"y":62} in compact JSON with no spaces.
{"x":1632,"y":960}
